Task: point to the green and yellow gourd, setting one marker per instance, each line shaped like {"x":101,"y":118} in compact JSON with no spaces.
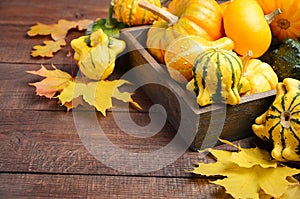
{"x":280,"y":124}
{"x":216,"y":75}
{"x":128,"y":12}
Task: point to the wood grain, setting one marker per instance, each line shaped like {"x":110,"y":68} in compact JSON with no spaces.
{"x":90,"y":186}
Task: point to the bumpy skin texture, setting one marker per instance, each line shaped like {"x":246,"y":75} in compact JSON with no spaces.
{"x":128,"y":12}
{"x":258,"y":77}
{"x":217,"y":73}
{"x":196,"y":17}
{"x":286,"y":59}
{"x":280,"y":124}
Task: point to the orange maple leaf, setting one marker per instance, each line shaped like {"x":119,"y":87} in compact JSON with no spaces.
{"x":55,"y":81}
{"x":59,"y":30}
{"x":48,"y":49}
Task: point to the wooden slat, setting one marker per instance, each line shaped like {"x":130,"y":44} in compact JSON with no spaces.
{"x":73,"y":186}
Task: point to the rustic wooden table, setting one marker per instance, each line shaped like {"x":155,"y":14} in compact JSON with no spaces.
{"x":41,"y":153}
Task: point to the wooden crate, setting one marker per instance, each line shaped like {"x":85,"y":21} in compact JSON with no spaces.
{"x":238,"y":120}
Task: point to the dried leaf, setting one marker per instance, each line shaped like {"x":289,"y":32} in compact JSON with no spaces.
{"x":98,"y":94}
{"x":247,"y":172}
{"x":48,"y":49}
{"x":55,"y":81}
{"x":59,"y":30}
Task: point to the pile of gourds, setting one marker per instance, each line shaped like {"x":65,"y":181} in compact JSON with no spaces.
{"x":214,"y":48}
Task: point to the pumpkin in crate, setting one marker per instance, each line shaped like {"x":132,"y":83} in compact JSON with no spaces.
{"x":280,"y":124}
{"x":128,"y":12}
{"x":217,"y":73}
{"x":184,"y":17}
{"x":257,"y":76}
{"x":246,"y":25}
{"x":182,"y":52}
{"x":285,"y":25}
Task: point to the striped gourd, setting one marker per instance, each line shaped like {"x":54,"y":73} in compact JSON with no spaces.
{"x":216,"y":74}
{"x":280,"y":124}
{"x":129,"y":12}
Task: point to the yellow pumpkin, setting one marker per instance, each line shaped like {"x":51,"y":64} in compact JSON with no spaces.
{"x":195,"y":17}
{"x":257,"y":76}
{"x":182,"y":52}
{"x":280,"y":124}
{"x":286,"y":25}
{"x":245,"y":24}
{"x":128,"y":12}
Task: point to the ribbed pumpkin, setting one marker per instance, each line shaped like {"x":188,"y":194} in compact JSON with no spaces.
{"x":182,"y":52}
{"x":128,"y":12}
{"x":280,"y":124}
{"x":286,"y":25}
{"x":245,"y":24}
{"x":195,"y":17}
{"x":257,"y":76}
{"x":217,"y":73}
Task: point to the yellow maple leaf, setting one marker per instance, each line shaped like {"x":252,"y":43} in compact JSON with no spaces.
{"x":48,"y":49}
{"x":96,"y":93}
{"x":55,"y":81}
{"x":248,"y":171}
{"x":59,"y":30}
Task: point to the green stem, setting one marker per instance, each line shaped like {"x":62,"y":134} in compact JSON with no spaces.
{"x":109,"y":22}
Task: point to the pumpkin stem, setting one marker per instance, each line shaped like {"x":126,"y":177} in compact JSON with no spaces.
{"x":162,"y":13}
{"x":245,"y":60}
{"x":109,"y":22}
{"x":270,"y":17}
{"x":285,"y":120}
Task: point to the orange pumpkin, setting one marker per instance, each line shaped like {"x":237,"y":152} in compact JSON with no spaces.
{"x":195,"y":17}
{"x":245,"y":24}
{"x":287,"y":24}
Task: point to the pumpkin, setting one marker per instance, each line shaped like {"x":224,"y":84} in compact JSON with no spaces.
{"x":190,"y":17}
{"x":97,"y":60}
{"x":286,"y":59}
{"x":280,"y":124}
{"x":182,"y":52}
{"x":216,"y":74}
{"x":285,"y":25}
{"x":128,"y":12}
{"x":246,"y":25}
{"x":257,"y":76}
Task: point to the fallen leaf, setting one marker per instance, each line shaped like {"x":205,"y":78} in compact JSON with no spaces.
{"x":59,"y":30}
{"x":55,"y":81}
{"x":247,"y":172}
{"x":96,"y":93}
{"x":48,"y":49}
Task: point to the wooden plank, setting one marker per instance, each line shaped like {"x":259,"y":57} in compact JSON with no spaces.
{"x":48,"y":142}
{"x":18,"y":12}
{"x":14,"y":26}
{"x":89,"y":186}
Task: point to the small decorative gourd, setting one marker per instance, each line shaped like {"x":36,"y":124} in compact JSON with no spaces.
{"x":246,"y":25}
{"x":286,"y":59}
{"x":280,"y":124}
{"x":128,"y":12}
{"x":183,"y":17}
{"x":257,"y":76}
{"x":217,"y":73}
{"x":182,"y":52}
